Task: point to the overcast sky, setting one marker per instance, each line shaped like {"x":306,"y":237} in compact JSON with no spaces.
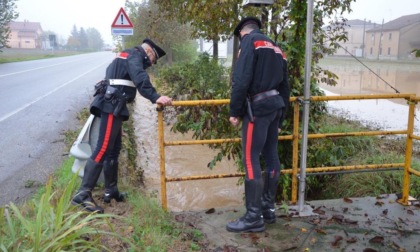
{"x":59,"y":16}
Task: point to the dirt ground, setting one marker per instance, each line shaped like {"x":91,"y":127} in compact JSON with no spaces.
{"x":352,"y":224}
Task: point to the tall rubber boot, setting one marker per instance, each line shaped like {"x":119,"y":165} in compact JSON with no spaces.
{"x":111,"y":181}
{"x":252,"y":221}
{"x":271,"y":182}
{"x":83,"y":197}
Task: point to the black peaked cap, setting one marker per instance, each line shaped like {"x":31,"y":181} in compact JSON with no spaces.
{"x":158,"y":51}
{"x":246,"y":21}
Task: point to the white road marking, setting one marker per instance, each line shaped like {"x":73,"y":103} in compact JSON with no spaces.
{"x":47,"y":94}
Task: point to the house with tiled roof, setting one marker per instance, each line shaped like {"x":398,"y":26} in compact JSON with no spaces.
{"x":355,"y":29}
{"x":25,"y":35}
{"x":395,"y":39}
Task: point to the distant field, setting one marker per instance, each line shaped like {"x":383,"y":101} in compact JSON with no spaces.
{"x":15,"y":55}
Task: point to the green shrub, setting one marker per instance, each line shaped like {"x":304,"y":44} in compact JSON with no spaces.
{"x":51,"y":223}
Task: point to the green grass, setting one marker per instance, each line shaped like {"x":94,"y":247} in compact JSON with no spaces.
{"x":48,"y":222}
{"x":17,"y":55}
{"x":368,"y":150}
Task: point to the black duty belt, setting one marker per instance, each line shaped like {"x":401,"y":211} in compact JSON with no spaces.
{"x":263,"y":95}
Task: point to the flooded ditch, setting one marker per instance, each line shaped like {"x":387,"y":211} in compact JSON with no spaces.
{"x":224,"y":192}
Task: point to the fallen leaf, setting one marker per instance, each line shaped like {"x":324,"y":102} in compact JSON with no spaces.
{"x":369,"y":250}
{"x":385,"y":211}
{"x":338,"y":218}
{"x":348,"y":221}
{"x":179,"y":217}
{"x":345,"y":209}
{"x":291,"y":248}
{"x":377,"y":239}
{"x":379,"y":203}
{"x":313,"y":240}
{"x":410,"y":212}
{"x":319,"y":211}
{"x":304,"y":230}
{"x":347,"y":200}
{"x":337,"y":239}
{"x":321,"y":231}
{"x":351,"y":240}
{"x":229,"y":248}
{"x":210,"y":211}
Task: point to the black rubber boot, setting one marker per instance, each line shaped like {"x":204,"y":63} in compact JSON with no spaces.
{"x":271,"y":182}
{"x":252,"y":221}
{"x":111,"y":181}
{"x":83,"y":197}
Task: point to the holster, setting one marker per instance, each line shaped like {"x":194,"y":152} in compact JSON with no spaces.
{"x":249,"y":109}
{"x":100,"y":87}
{"x":116,"y":97}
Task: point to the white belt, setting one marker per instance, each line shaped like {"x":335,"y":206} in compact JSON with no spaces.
{"x":121,"y":82}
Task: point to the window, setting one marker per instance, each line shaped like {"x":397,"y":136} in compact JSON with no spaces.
{"x":389,"y":50}
{"x":372,"y":38}
{"x":371,"y":51}
{"x":390,"y":36}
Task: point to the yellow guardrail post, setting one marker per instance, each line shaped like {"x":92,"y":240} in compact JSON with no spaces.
{"x":161,"y":141}
{"x":408,"y":153}
{"x":295,"y":156}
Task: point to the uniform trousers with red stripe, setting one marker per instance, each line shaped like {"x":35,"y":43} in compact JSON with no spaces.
{"x":261,"y":138}
{"x":108,"y":146}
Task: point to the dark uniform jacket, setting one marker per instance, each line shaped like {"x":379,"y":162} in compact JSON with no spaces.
{"x":128,"y":65}
{"x":261,"y":67}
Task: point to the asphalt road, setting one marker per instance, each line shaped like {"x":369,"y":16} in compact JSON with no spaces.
{"x":39,"y":101}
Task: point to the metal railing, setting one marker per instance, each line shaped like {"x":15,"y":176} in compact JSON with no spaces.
{"x":408,"y":170}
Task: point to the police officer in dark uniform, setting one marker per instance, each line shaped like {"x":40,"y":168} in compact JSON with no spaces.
{"x":260,"y":96}
{"x":124,"y":77}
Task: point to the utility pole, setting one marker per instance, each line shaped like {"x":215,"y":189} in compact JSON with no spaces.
{"x":363,"y":38}
{"x":380,"y":39}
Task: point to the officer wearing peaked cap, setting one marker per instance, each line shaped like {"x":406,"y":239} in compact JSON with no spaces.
{"x":124,"y":77}
{"x":260,"y":96}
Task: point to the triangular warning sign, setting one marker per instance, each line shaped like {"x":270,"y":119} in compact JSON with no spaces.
{"x":122,"y":20}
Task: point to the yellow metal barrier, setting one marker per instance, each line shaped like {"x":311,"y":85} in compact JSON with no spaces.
{"x":408,"y":170}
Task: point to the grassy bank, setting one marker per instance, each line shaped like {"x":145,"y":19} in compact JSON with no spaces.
{"x":17,"y":55}
{"x":49,"y":222}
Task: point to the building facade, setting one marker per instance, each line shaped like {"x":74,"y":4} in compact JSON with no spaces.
{"x":25,"y":35}
{"x":356,"y":31}
{"x":395,"y":39}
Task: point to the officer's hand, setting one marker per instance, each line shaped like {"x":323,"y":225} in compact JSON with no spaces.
{"x":234,"y":121}
{"x":164,"y":100}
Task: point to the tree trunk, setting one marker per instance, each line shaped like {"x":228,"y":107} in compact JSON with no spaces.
{"x":215,"y":49}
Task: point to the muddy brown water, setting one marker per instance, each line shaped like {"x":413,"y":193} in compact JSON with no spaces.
{"x":182,"y":161}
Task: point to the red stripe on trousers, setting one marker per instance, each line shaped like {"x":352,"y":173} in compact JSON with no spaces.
{"x":248,"y":145}
{"x":106,"y":138}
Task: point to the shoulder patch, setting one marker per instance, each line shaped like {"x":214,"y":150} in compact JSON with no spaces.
{"x":123,"y":55}
{"x":260,"y":44}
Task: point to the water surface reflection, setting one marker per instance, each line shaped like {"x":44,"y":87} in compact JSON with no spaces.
{"x":354,"y":78}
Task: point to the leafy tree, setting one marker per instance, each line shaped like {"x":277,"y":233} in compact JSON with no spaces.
{"x":73,"y":41}
{"x":7,"y":14}
{"x":95,"y":41}
{"x":83,"y":39}
{"x":150,"y":22}
{"x":211,"y":20}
